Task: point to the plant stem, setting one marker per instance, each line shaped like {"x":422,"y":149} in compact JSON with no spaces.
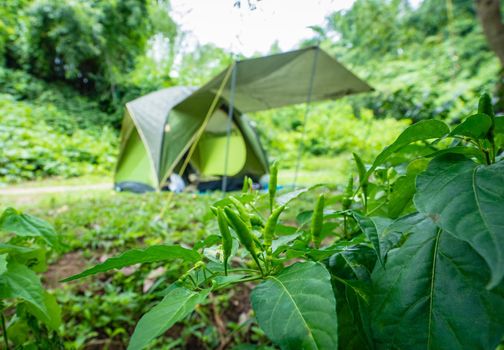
{"x":193,"y":281}
{"x":242,"y":270}
{"x":487,"y":157}
{"x":248,"y":279}
{"x":258,"y":264}
{"x":4,"y":330}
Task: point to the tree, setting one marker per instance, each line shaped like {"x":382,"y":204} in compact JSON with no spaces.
{"x":489,"y":13}
{"x":491,"y":21}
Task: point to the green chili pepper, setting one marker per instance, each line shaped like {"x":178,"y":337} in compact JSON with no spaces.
{"x":241,"y":209}
{"x":485,"y":105}
{"x":227,"y":239}
{"x":244,"y":234}
{"x":317,"y":220}
{"x":269,"y":229}
{"x":272,"y":187}
{"x":347,"y":196}
{"x":256,"y":221}
{"x":214,"y":210}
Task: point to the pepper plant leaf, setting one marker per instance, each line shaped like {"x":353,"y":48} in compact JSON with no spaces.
{"x":403,"y":189}
{"x":351,"y":272}
{"x":431,"y":295}
{"x":21,"y":282}
{"x":469,"y":152}
{"x":467,"y":200}
{"x":475,"y":126}
{"x":423,"y":130}
{"x":372,"y":227}
{"x":136,"y":256}
{"x":25,"y":225}
{"x":176,"y":305}
{"x":499,"y":124}
{"x":53,"y":316}
{"x":297,"y":309}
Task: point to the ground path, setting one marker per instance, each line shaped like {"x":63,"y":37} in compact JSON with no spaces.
{"x":20,"y":191}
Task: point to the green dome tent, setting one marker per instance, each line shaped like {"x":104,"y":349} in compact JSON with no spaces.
{"x":206,"y":128}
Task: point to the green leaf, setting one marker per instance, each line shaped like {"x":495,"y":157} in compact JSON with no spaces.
{"x":297,"y":308}
{"x":286,"y":198}
{"x":351,"y":271}
{"x":21,"y":282}
{"x":476,"y":127}
{"x":499,"y":125}
{"x":403,"y":189}
{"x":354,"y":263}
{"x":176,"y":305}
{"x":25,"y":225}
{"x":401,"y":195}
{"x":209,"y":241}
{"x":34,"y":258}
{"x":467,"y":200}
{"x":3,"y":263}
{"x":353,"y":317}
{"x":464,"y":150}
{"x":396,"y":233}
{"x":53,"y":316}
{"x":15,"y":249}
{"x":423,"y":130}
{"x":372,"y":228}
{"x":431,"y":295}
{"x":136,"y":256}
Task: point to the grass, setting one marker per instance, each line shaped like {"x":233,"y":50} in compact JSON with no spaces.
{"x":315,"y":170}
{"x":101,"y":311}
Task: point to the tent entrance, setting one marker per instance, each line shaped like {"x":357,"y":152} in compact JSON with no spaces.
{"x":209,"y":157}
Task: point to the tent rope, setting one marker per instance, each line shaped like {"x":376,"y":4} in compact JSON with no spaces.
{"x":229,"y":126}
{"x":207,"y":118}
{"x":305,"y":118}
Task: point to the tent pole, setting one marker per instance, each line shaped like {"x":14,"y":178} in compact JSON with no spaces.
{"x":229,"y":125}
{"x":307,"y":111}
{"x":194,"y":141}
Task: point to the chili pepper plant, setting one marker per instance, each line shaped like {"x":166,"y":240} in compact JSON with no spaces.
{"x":29,"y":315}
{"x":408,"y":255}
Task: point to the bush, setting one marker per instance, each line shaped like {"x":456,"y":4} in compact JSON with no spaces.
{"x":33,"y":150}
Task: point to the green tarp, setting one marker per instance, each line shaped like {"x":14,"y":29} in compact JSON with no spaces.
{"x":284,"y":79}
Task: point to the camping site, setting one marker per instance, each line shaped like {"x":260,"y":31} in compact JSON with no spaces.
{"x":259,"y":174}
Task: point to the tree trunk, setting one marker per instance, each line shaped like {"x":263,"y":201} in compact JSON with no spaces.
{"x":491,"y":20}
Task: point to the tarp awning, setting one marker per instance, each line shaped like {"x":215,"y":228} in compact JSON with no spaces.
{"x":284,"y":79}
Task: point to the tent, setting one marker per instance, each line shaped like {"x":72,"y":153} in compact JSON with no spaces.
{"x":207,"y":129}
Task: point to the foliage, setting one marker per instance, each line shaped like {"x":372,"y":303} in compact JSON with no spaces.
{"x":424,"y":62}
{"x":26,"y":240}
{"x":32,"y":149}
{"x":75,"y":111}
{"x":374,"y":278}
{"x":332,"y":129}
{"x":102,"y":312}
{"x":84,"y":42}
{"x":90,"y":46}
